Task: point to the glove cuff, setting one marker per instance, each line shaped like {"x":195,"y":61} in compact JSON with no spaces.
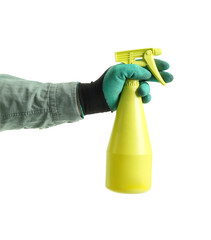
{"x":91,"y":97}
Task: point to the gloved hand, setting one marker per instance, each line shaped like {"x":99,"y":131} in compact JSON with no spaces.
{"x":103,"y":94}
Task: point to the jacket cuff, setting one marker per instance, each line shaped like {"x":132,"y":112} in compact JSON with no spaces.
{"x":64,"y":103}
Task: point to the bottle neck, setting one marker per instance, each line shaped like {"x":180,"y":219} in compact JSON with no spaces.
{"x":132,"y":83}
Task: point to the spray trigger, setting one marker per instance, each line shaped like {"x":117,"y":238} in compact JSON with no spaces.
{"x":142,"y":57}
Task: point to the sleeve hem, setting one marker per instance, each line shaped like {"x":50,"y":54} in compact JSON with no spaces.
{"x":63,"y":103}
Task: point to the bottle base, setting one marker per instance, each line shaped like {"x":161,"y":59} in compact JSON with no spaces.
{"x":128,"y":173}
{"x":128,"y":191}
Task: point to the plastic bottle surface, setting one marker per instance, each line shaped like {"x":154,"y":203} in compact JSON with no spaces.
{"x":129,"y":153}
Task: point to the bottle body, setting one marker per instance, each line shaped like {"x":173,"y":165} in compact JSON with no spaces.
{"x":129,"y":154}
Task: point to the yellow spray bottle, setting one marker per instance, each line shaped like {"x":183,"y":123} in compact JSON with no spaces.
{"x":129,"y":153}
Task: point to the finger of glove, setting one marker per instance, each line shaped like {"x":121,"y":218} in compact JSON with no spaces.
{"x":146,"y":98}
{"x":132,"y":71}
{"x":161,"y":65}
{"x":143,"y":89}
{"x":167,"y":77}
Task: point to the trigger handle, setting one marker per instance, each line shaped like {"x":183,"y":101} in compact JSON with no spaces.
{"x":149,"y":59}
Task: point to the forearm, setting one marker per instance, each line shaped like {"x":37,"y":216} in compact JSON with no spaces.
{"x":30,"y":104}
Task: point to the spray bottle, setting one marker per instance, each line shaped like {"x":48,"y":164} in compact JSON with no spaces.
{"x":129,"y":153}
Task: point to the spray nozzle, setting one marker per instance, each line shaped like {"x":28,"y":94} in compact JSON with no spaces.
{"x":142,"y":57}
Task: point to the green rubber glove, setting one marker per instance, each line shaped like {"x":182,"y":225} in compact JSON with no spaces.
{"x":116,"y":76}
{"x":103,"y":94}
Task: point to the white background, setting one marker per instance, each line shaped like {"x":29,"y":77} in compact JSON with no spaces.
{"x":52,"y":182}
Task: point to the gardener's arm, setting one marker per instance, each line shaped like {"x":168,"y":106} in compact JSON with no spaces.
{"x":30,"y":104}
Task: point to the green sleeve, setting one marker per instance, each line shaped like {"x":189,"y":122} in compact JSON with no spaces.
{"x":31,"y":104}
